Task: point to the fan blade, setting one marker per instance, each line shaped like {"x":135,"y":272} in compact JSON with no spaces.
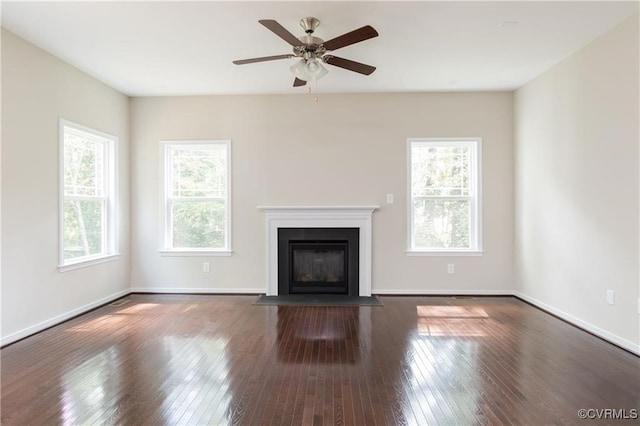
{"x":297,"y":82}
{"x":355,"y":36}
{"x":262,"y":59}
{"x":349,"y":64}
{"x":281,"y":32}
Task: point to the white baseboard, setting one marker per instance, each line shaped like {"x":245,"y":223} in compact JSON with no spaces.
{"x":198,"y":290}
{"x":422,"y":292}
{"x":623,"y":343}
{"x":13,"y":337}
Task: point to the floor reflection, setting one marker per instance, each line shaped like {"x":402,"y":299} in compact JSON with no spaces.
{"x":325,"y":334}
{"x":88,"y":388}
{"x":448,"y":358}
{"x":197,"y":386}
{"x":442,"y":386}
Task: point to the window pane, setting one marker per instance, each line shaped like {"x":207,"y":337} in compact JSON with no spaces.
{"x":439,"y":224}
{"x":199,"y":172}
{"x":83,"y":227}
{"x":83,"y":166}
{"x":440,"y":170}
{"x":198,"y":224}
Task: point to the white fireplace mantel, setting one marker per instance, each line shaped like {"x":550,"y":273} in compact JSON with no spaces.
{"x":319,"y":217}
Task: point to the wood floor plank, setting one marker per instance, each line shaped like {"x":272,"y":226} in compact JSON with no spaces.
{"x":213,"y":360}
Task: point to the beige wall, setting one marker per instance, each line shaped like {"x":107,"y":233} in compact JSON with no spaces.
{"x":577,"y":186}
{"x":37,"y":90}
{"x":342,"y":150}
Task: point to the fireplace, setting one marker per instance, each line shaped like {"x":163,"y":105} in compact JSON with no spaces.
{"x":318,"y":261}
{"x":312,"y":217}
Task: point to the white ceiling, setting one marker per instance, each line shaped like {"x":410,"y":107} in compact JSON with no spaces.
{"x":178,"y":48}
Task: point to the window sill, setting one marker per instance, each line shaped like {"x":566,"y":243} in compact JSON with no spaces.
{"x":88,"y":262}
{"x":444,"y":253}
{"x":195,"y":253}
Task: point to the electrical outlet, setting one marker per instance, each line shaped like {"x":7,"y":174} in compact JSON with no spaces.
{"x":611,"y":297}
{"x":450,"y":268}
{"x":390,"y":199}
{"x":206,"y":267}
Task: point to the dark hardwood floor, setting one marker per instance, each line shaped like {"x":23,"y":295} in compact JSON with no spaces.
{"x":210,"y":360}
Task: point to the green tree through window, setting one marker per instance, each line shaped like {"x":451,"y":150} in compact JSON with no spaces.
{"x":87,"y":193}
{"x":444,"y":198}
{"x":196,"y":195}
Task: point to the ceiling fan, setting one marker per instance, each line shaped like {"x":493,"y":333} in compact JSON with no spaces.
{"x":311,"y":50}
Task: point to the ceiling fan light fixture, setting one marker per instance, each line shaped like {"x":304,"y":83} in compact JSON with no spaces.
{"x":314,"y":69}
{"x":299,"y":70}
{"x":308,"y":69}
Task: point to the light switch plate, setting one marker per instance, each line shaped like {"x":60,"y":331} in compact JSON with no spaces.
{"x":611,"y":297}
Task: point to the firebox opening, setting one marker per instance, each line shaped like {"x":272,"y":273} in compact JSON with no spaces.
{"x":318,"y":261}
{"x":318,"y":267}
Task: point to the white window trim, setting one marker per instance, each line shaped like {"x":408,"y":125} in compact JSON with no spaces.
{"x":111,"y":243}
{"x":477,"y":250}
{"x":94,"y":260}
{"x":165,"y":250}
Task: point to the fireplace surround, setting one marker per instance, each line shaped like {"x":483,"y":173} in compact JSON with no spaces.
{"x":358,"y":217}
{"x":318,"y":261}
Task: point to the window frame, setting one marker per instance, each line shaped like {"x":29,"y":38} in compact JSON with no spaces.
{"x":110,"y":231}
{"x":166,"y":248}
{"x":475,"y":234}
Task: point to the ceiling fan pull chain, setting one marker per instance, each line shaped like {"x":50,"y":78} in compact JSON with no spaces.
{"x":309,"y":90}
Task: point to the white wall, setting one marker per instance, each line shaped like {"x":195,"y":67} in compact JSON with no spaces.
{"x":577,"y":186}
{"x":342,"y":150}
{"x":37,"y":90}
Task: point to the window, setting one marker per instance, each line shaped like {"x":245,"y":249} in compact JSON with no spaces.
{"x":87,"y":188}
{"x":196,"y":206}
{"x":444,"y":195}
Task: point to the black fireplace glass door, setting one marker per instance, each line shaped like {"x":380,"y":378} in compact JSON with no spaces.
{"x":319,"y":266}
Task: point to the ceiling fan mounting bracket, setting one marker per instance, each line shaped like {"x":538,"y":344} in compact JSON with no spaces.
{"x":309,"y":24}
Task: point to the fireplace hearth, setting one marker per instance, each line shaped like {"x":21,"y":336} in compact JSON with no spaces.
{"x":318,"y":261}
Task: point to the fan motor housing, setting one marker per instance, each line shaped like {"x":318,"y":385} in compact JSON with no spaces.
{"x":311,"y":47}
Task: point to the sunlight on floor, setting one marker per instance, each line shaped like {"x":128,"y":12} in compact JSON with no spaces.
{"x":462,"y":321}
{"x":107,"y":323}
{"x":137,"y":308}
